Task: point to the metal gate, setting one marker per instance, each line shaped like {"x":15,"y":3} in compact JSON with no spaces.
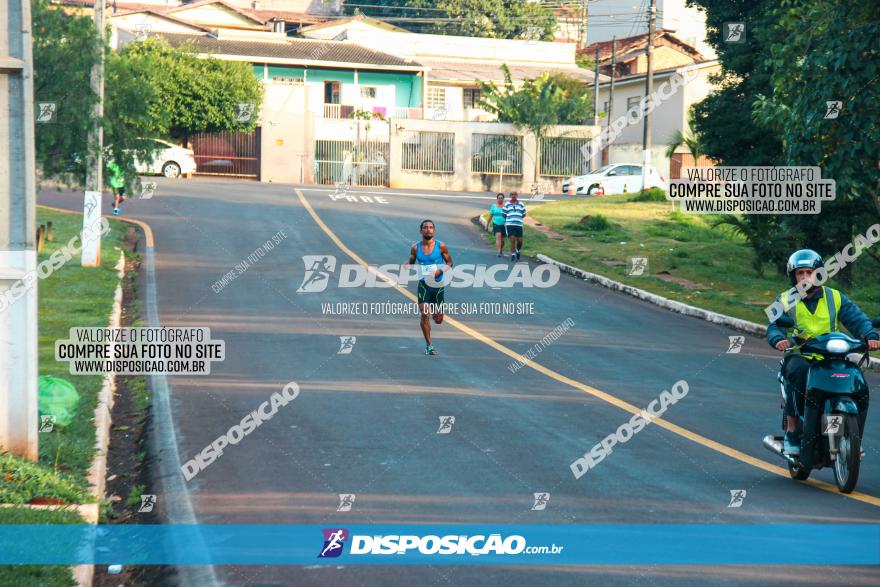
{"x":228,"y":153}
{"x":681,"y":160}
{"x":364,"y":163}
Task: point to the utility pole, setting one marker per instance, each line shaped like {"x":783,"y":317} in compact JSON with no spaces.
{"x":596,"y":90}
{"x":593,"y":165}
{"x":611,"y":86}
{"x":91,"y":252}
{"x":649,"y":89}
{"x":19,"y":428}
{"x":584,"y":18}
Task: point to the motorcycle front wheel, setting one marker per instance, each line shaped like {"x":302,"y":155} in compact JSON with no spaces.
{"x":849,"y":446}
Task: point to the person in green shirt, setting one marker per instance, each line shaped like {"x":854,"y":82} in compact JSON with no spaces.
{"x":117,"y":184}
{"x":496,"y":211}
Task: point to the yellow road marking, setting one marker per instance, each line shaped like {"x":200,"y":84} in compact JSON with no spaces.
{"x":606,"y":397}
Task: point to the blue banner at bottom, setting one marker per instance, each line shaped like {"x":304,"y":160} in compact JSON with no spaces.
{"x":608,"y":544}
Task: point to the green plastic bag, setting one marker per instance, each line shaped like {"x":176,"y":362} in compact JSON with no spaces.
{"x":57,"y":397}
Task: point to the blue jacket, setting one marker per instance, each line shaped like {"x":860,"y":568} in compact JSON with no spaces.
{"x":849,"y":314}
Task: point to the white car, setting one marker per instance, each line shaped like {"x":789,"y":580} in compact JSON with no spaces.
{"x":169,"y":160}
{"x":614,"y":179}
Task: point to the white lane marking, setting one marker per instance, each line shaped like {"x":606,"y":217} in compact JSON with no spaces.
{"x":423,"y":195}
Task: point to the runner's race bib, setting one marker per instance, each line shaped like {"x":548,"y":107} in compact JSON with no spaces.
{"x":428,"y":270}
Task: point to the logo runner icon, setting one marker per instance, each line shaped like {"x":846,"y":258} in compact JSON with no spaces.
{"x":446,"y":423}
{"x":346,"y":345}
{"x":334,"y":541}
{"x":737,"y":496}
{"x":832,"y":425}
{"x":47,"y":423}
{"x":46,"y":111}
{"x":346,"y":500}
{"x":734,"y":32}
{"x":832,"y":109}
{"x":148,"y":502}
{"x":318,"y":271}
{"x":736,"y":344}
{"x":637,"y":266}
{"x":541,"y":501}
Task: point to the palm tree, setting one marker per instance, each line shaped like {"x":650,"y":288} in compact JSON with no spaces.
{"x":678,"y":138}
{"x":691,"y":140}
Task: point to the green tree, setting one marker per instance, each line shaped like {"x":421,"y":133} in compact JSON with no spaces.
{"x":827,"y":51}
{"x":724,"y":123}
{"x":500,"y":19}
{"x":690,"y":139}
{"x":543,"y":102}
{"x":64,"y":49}
{"x":194,"y":94}
{"x":150,"y":90}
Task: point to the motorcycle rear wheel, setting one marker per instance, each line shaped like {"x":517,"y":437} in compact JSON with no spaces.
{"x":849,"y":446}
{"x":798,"y":473}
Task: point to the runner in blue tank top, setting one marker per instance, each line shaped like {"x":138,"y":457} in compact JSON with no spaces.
{"x":430,"y":255}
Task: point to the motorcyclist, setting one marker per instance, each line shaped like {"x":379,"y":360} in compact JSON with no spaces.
{"x":819,"y":312}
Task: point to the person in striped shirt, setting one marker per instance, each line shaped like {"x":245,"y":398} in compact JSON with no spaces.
{"x":514,"y":211}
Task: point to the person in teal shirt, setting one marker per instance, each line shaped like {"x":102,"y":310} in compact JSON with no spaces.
{"x":497,"y":212}
{"x":117,"y":184}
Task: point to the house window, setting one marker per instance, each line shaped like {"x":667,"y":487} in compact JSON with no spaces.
{"x":368,"y":92}
{"x":605,"y":107}
{"x":290,"y":81}
{"x":633,"y":102}
{"x":436,"y":97}
{"x":472,"y":97}
{"x":331,"y":93}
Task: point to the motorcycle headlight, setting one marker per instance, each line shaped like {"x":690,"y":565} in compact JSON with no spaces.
{"x":837,"y":346}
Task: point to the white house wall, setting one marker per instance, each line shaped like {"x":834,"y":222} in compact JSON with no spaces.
{"x":151,"y":24}
{"x":216,"y":16}
{"x":414,"y":45}
{"x":287,"y":135}
{"x":669,"y":116}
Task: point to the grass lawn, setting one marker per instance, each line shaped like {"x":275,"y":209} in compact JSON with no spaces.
{"x":82,"y":297}
{"x":71,"y":296}
{"x":688,"y":260}
{"x":37,"y":575}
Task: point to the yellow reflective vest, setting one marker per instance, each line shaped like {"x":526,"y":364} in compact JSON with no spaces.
{"x":812,"y":324}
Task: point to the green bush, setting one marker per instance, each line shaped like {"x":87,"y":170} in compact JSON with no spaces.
{"x":596,"y":227}
{"x":21,"y":481}
{"x":651,"y":195}
{"x":597,"y":223}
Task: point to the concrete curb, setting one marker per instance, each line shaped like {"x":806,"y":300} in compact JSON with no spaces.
{"x":752,"y":328}
{"x":483,"y":222}
{"x":84,"y":574}
{"x":672,"y":305}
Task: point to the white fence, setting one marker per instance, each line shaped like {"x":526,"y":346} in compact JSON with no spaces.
{"x":496,"y":154}
{"x":428,"y":152}
{"x":448,"y":155}
{"x":363,"y":163}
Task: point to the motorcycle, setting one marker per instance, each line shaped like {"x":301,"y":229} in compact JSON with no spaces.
{"x":830,"y":426}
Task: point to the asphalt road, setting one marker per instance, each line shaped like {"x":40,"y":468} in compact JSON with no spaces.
{"x":366,"y":422}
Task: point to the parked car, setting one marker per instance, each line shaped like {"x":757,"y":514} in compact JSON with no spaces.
{"x":169,"y":160}
{"x":614,"y":179}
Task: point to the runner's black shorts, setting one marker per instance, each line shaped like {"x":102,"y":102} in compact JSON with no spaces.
{"x":430,"y":295}
{"x":513,"y":230}
{"x":498,"y":229}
